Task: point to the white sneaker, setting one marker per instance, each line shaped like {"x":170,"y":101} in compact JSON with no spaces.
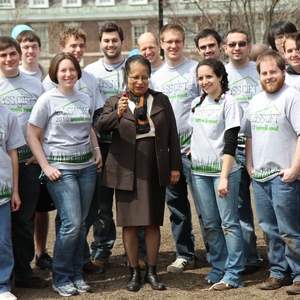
{"x":65,"y":290}
{"x":7,"y":296}
{"x":82,"y":287}
{"x":181,"y":264}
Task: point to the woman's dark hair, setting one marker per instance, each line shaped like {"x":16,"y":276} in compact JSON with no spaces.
{"x":220,"y":71}
{"x":136,"y":58}
{"x":279,"y":28}
{"x":55,"y":62}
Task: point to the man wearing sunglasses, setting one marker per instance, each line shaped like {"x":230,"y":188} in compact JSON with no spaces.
{"x":244,"y":84}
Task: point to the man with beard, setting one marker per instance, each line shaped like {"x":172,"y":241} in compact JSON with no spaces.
{"x":244,"y":84}
{"x":273,"y":162}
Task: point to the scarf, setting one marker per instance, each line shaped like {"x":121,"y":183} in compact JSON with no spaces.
{"x":140,"y":112}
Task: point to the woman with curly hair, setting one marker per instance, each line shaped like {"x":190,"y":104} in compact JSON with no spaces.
{"x":216,"y":176}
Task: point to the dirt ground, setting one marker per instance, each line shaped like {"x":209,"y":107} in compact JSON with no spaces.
{"x":111,"y":284}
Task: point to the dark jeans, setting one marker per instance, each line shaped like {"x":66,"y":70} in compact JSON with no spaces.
{"x":23,"y":220}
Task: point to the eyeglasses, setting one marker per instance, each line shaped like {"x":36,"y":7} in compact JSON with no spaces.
{"x":34,"y":47}
{"x":136,"y":78}
{"x":170,"y":43}
{"x":241,"y":44}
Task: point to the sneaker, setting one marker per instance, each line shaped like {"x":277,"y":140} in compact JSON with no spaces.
{"x":221,"y":286}
{"x":65,"y":290}
{"x":92,"y":268}
{"x":272,"y":283}
{"x":181,"y":264}
{"x":44,"y":262}
{"x":142,"y":264}
{"x":293,"y":289}
{"x":31,"y":283}
{"x":82,"y":287}
{"x":7,"y":296}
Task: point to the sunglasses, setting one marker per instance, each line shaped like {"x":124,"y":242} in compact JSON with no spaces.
{"x":241,"y":44}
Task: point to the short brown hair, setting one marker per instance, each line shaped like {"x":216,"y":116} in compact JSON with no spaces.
{"x":7,"y":41}
{"x":71,"y":32}
{"x":268,"y":56}
{"x":289,"y":36}
{"x":171,"y":27}
{"x":57,"y":59}
{"x":238,"y":30}
{"x":111,"y":27}
{"x":28,"y":36}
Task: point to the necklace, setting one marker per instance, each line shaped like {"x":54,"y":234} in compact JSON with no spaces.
{"x":114,"y":68}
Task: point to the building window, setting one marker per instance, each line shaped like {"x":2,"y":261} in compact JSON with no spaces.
{"x":71,"y":3}
{"x":137,"y":2}
{"x":105,"y":2}
{"x":43,"y":34}
{"x":39,"y":3}
{"x":7,"y":4}
{"x":137,"y":31}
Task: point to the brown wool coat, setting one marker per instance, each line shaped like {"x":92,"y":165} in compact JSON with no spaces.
{"x":118,"y":172}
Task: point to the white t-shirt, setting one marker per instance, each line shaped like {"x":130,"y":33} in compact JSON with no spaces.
{"x":244,"y":83}
{"x":209,"y":122}
{"x":11,"y":137}
{"x":66,"y":121}
{"x":20,"y":94}
{"x":110,"y":82}
{"x":273,"y":122}
{"x":180,"y":84}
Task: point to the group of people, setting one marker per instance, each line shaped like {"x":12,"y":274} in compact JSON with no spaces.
{"x":146,"y":130}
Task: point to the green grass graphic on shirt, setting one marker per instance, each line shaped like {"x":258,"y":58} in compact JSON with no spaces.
{"x":185,"y":138}
{"x":214,"y":166}
{"x":261,"y":174}
{"x":73,"y":159}
{"x":5,"y":192}
{"x":24,"y":153}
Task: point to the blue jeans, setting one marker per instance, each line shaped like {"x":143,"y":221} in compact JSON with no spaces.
{"x":246,"y":215}
{"x":6,"y":254}
{"x":23,"y":221}
{"x":72,"y":195}
{"x":180,"y":212}
{"x":278,"y":214}
{"x":222,"y":227}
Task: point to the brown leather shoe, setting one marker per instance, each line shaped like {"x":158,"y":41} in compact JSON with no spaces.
{"x":294,"y":289}
{"x":31,"y":283}
{"x":92,"y":268}
{"x":272,"y":283}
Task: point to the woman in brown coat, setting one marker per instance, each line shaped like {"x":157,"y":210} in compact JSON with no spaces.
{"x":144,"y":158}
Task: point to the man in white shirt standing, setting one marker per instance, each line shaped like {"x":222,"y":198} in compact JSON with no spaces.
{"x":177,"y":79}
{"x":244,"y":84}
{"x":30,"y":44}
